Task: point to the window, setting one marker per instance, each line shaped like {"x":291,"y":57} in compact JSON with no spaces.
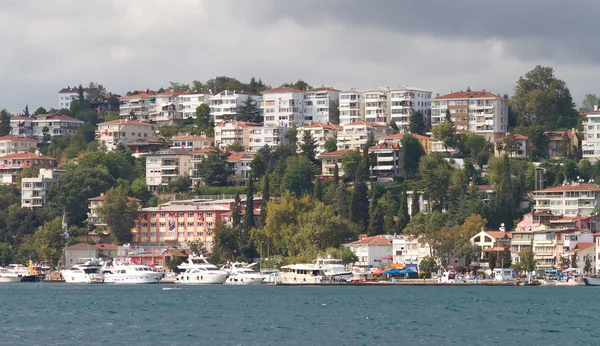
{"x":162,"y":224}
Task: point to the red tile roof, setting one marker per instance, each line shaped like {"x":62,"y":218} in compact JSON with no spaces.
{"x":499,"y":234}
{"x":70,"y":90}
{"x":124,"y":122}
{"x":386,"y":145}
{"x":378,"y":240}
{"x":143,"y":95}
{"x":517,"y":136}
{"x":323,"y":126}
{"x":239,"y":123}
{"x":482,"y":94}
{"x":30,"y":156}
{"x":368,"y":123}
{"x":569,"y":187}
{"x":282,"y":90}
{"x":191,"y":138}
{"x":17,"y":139}
{"x":336,"y":153}
{"x":18,"y":117}
{"x":400,"y":135}
{"x":102,"y":197}
{"x":242,"y":155}
{"x":494,"y":249}
{"x":56,"y":116}
{"x":582,"y":246}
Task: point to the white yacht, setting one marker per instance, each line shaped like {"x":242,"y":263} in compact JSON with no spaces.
{"x":322,"y":270}
{"x":244,"y":275}
{"x":88,"y":272}
{"x":8,"y":275}
{"x":128,"y":272}
{"x":334,"y":268}
{"x":199,"y":271}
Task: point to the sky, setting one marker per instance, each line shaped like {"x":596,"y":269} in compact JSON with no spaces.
{"x":438,"y":45}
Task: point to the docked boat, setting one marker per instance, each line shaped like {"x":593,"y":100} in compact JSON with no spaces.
{"x":89,"y":272}
{"x":125,"y":271}
{"x":7,"y":275}
{"x":334,"y":268}
{"x":592,"y":281}
{"x":244,"y":275}
{"x":32,"y":273}
{"x":198,"y":271}
{"x":301,"y":274}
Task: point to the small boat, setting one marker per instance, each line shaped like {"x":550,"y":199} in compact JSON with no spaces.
{"x":170,"y":288}
{"x":7,"y":275}
{"x":592,"y":281}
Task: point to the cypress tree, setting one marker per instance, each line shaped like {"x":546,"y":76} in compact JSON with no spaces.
{"x":236,"y":211}
{"x":318,"y":190}
{"x":360,"y":200}
{"x":265,"y":199}
{"x":414,"y":207}
{"x":341,"y":201}
{"x":4,"y":123}
{"x":249,"y":216}
{"x":403,"y":216}
{"x":375,"y":217}
{"x":336,"y":174}
{"x":391,"y":207}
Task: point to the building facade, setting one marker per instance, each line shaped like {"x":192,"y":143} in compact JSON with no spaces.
{"x":372,"y":251}
{"x":11,"y":166}
{"x":231,"y":131}
{"x":125,"y":131}
{"x":188,"y":103}
{"x":166,"y":166}
{"x":136,"y":106}
{"x":192,"y":142}
{"x":34,"y":190}
{"x":12,"y":144}
{"x":67,"y":95}
{"x":316,"y":104}
{"x":223,"y":105}
{"x":352,"y":106}
{"x":21,"y":126}
{"x":570,"y":199}
{"x":388,"y":161}
{"x":57,"y":125}
{"x":321,"y":132}
{"x":330,"y":160}
{"x":355,"y":135}
{"x":283,"y":107}
{"x":271,"y":135}
{"x":240,"y":164}
{"x":404,"y":101}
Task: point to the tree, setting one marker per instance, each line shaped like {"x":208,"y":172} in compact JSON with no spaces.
{"x":298,"y":175}
{"x":334,"y":112}
{"x":330,"y":144}
{"x":4,"y":123}
{"x":391,"y":208}
{"x":479,"y":149}
{"x":415,"y":208}
{"x":445,"y":133}
{"x":292,"y":137}
{"x":428,"y":265}
{"x":40,"y":110}
{"x":528,"y":259}
{"x":309,"y":146}
{"x":412,"y":153}
{"x":249,"y":215}
{"x":395,"y":128}
{"x":542,"y":99}
{"x":341,"y":202}
{"x":203,"y":118}
{"x":94,"y":91}
{"x":214,"y":169}
{"x":587,"y":267}
{"x":318,"y":190}
{"x":119,"y":213}
{"x":417,"y":123}
{"x":179,"y":87}
{"x":336,"y":174}
{"x":236,"y":211}
{"x":506,"y":258}
{"x":249,"y":111}
{"x":434,"y":179}
{"x":265,"y":199}
{"x":50,"y":241}
{"x":350,"y":161}
{"x":492,"y":260}
{"x":197,"y":247}
{"x":590,"y":101}
{"x":574,"y":261}
{"x":26,"y":111}
{"x":360,"y":201}
{"x":236,"y":147}
{"x":376,"y":217}
{"x":6,"y":254}
{"x":403,"y":216}
{"x":585,"y":169}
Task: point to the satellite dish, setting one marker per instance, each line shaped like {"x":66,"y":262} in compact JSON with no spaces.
{"x":502,"y":225}
{"x":157,"y":132}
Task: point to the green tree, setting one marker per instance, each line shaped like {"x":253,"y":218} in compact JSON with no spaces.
{"x":376,"y":217}
{"x":334,"y":112}
{"x":265,"y":199}
{"x":403,"y":216}
{"x":214,"y":169}
{"x":434,"y":179}
{"x":479,"y":149}
{"x":417,"y":123}
{"x":341,"y":202}
{"x":428,"y":265}
{"x":445,"y":133}
{"x":587,"y":267}
{"x":589,"y":102}
{"x":197,"y":247}
{"x":395,"y":128}
{"x":350,"y":161}
{"x":318,"y":190}
{"x":391,"y":208}
{"x":528,"y":259}
{"x":203,"y":118}
{"x":412,"y":153}
{"x":49,"y":240}
{"x":492,"y":260}
{"x":542,"y":99}
{"x":298,"y":175}
{"x":249,"y":215}
{"x":236,"y":147}
{"x":26,"y":111}
{"x":4,"y":123}
{"x":574,"y":261}
{"x":179,"y":87}
{"x":360,"y":201}
{"x":505,"y":259}
{"x":585,"y":169}
{"x":414,"y":207}
{"x":336,"y":174}
{"x":331,"y":144}
{"x":6,"y":254}
{"x":40,"y":110}
{"x":249,"y":111}
{"x":94,"y":91}
{"x":236,"y":211}
{"x":309,"y":146}
{"x":119,"y":213}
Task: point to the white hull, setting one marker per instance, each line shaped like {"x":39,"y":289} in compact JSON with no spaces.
{"x":5,"y":279}
{"x":145,"y":278}
{"x":298,"y":279}
{"x":252,"y":279}
{"x":201,"y":278}
{"x":81,"y":278}
{"x":591,"y":281}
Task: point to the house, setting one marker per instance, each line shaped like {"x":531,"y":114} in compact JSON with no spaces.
{"x":409,"y":251}
{"x":491,"y":241}
{"x":283,"y":107}
{"x":224,"y":105}
{"x":231,"y":131}
{"x":143,"y":146}
{"x":519,"y":149}
{"x":406,"y":100}
{"x":192,"y":142}
{"x":240,"y":164}
{"x":583,"y":252}
{"x":166,"y":166}
{"x":11,"y":166}
{"x":388,"y":161}
{"x":78,"y":253}
{"x":55,"y":124}
{"x":21,"y":126}
{"x":34,"y":190}
{"x":12,"y":144}
{"x":111,"y":133}
{"x":316,"y":104}
{"x":570,"y":199}
{"x":198,"y":156}
{"x":373,"y":251}
{"x":188,"y":102}
{"x":352,"y":106}
{"x":330,"y":159}
{"x":136,"y":106}
{"x":67,"y":95}
{"x":271,"y":135}
{"x":321,"y":132}
{"x":397,"y":138}
{"x":355,"y":135}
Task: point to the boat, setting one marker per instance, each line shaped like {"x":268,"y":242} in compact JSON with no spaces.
{"x":242,"y":274}
{"x":591,"y":281}
{"x":170,"y":288}
{"x":322,"y":270}
{"x":448,"y":277}
{"x":32,"y":273}
{"x":198,"y":271}
{"x":126,"y":271}
{"x":88,"y":272}
{"x":7,"y":275}
{"x":334,"y":268}
{"x":569,"y":283}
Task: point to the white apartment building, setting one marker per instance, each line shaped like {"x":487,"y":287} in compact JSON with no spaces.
{"x":355,"y":135}
{"x":12,"y":144}
{"x":125,"y":131}
{"x":590,"y":145}
{"x":321,"y":132}
{"x":377,"y":105}
{"x":11,"y":166}
{"x":480,"y":112}
{"x":138,"y":105}
{"x":408,"y":251}
{"x":165,"y":166}
{"x":68,"y":94}
{"x":34,"y":190}
{"x":190,"y":101}
{"x":192,"y":142}
{"x":316,"y":104}
{"x":57,"y":124}
{"x":352,"y":106}
{"x":569,"y":200}
{"x":21,"y":126}
{"x":231,"y":131}
{"x":388,"y":163}
{"x":198,"y":156}
{"x":404,"y":101}
{"x":223,"y":105}
{"x":283,"y":106}
{"x":272,"y":136}
{"x":372,"y":251}
{"x":240,"y":164}
{"x":164,"y":108}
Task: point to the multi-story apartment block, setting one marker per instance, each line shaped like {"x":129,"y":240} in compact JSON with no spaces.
{"x":272,"y":136}
{"x":316,"y":104}
{"x":388,"y":162}
{"x":34,"y":190}
{"x":166,"y":166}
{"x":590,"y":144}
{"x":198,"y":156}
{"x":190,"y":101}
{"x":397,"y":138}
{"x":12,"y":144}
{"x":231,"y":131}
{"x":570,"y":199}
{"x":409,"y":251}
{"x":240,"y":165}
{"x":11,"y":166}
{"x":67,"y":95}
{"x":329,"y":160}
{"x":223,"y":105}
{"x":355,"y":135}
{"x":321,"y":132}
{"x":137,"y":106}
{"x":352,"y":106}
{"x":125,"y":131}
{"x":377,"y":105}
{"x":57,"y":125}
{"x":165,"y":108}
{"x":192,"y":142}
{"x":404,"y":101}
{"x":143,"y":146}
{"x":283,"y":107}
{"x":21,"y":126}
{"x":480,"y":112}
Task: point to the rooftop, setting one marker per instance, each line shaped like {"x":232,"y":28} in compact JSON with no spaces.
{"x":282,"y":90}
{"x":17,"y":139}
{"x":124,"y":122}
{"x":572,"y":187}
{"x":482,"y":94}
{"x":378,"y":240}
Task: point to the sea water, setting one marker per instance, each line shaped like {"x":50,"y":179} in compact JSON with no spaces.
{"x":68,"y":314}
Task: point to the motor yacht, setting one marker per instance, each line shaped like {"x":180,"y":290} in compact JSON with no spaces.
{"x":242,"y":274}
{"x":8,"y":275}
{"x":198,"y":271}
{"x":88,"y":272}
{"x":126,"y":271}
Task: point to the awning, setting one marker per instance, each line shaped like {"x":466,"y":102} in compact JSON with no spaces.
{"x":387,"y":257}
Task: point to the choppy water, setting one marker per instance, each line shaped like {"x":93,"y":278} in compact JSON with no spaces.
{"x":59,"y":314}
